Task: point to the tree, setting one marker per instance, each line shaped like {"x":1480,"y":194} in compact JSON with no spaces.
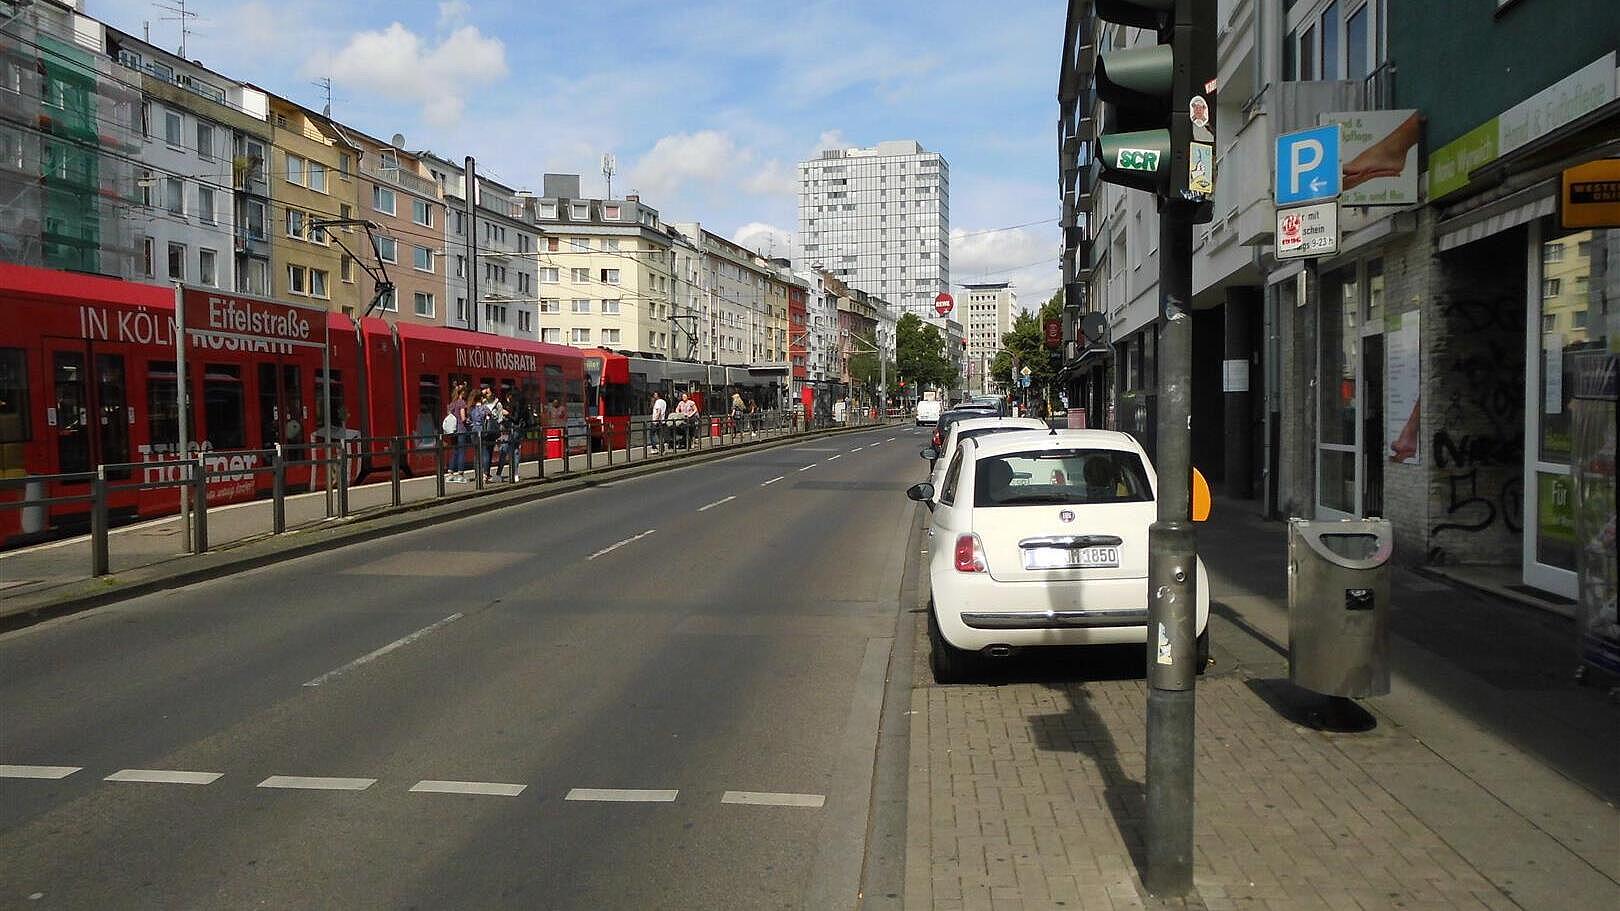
{"x":1026,"y":344}
{"x":863,"y":361}
{"x":921,"y":354}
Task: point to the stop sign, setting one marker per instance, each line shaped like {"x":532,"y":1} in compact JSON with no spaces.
{"x":944,"y":303}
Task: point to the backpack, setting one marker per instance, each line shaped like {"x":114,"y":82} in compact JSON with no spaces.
{"x":450,"y":424}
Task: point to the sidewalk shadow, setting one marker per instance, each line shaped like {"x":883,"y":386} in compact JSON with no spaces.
{"x":1300,"y":706}
{"x":1083,"y":729}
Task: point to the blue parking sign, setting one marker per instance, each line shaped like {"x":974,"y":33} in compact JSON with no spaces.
{"x":1307,"y":165}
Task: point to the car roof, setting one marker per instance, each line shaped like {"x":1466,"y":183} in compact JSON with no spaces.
{"x":996,"y":421}
{"x":1001,"y":443}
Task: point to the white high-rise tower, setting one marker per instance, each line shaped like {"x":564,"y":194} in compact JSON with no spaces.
{"x":880,"y":220}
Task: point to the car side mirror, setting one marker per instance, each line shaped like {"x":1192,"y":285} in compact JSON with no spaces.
{"x":922,"y":493}
{"x":929,"y":453}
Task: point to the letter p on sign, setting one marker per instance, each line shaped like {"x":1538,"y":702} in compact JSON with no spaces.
{"x":1307,"y":165}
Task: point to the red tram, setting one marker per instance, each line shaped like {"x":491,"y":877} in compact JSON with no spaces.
{"x":87,"y":378}
{"x":620,"y":386}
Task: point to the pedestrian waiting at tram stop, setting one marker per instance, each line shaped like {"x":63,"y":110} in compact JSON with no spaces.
{"x":660,"y":420}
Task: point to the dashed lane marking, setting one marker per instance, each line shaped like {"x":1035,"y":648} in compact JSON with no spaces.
{"x":831,"y":458}
{"x":808,"y":467}
{"x":615,"y":546}
{"x":484,"y":788}
{"x":891,"y":439}
{"x":859,"y":448}
{"x":622,"y":795}
{"x":373,"y":656}
{"x":51,"y":772}
{"x":716,"y":503}
{"x":164,"y":776}
{"x":317,"y":784}
{"x":772,"y":480}
{"x":769,"y":799}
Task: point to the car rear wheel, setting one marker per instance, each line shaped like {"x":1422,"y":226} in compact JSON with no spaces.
{"x":949,"y":663}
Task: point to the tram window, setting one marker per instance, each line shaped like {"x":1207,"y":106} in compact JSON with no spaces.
{"x":14,"y":426}
{"x":616,"y":399}
{"x":269,"y":412}
{"x":162,"y":411}
{"x":113,"y":400}
{"x":430,"y":408}
{"x":576,"y":398}
{"x":556,"y":391}
{"x":224,"y":408}
{"x":292,"y":400}
{"x":72,"y":431}
{"x":324,"y":426}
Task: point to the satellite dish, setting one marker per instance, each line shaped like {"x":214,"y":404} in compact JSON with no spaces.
{"x":398,"y":140}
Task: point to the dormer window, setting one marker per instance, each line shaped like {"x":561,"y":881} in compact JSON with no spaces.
{"x":610,"y":213}
{"x":582,"y":211}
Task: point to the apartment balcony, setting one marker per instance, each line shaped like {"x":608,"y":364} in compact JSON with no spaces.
{"x":401,"y":178}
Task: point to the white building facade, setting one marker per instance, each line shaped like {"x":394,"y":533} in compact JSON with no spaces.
{"x":879,"y":219}
{"x":986,"y":312}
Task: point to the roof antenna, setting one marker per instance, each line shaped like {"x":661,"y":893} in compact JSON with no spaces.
{"x":325,"y":85}
{"x":181,"y":15}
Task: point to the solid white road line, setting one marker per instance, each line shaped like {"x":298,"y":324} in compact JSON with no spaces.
{"x":52,"y":772}
{"x":164,"y":776}
{"x":772,"y":480}
{"x":317,"y":784}
{"x":839,"y":456}
{"x":373,"y":656}
{"x":489,"y":788}
{"x":768,"y":799}
{"x":613,"y":547}
{"x":808,"y":467}
{"x":621,"y":795}
{"x":716,"y":503}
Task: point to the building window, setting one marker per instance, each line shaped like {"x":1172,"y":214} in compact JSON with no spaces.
{"x":610,"y":307}
{"x":389,"y":301}
{"x":461,"y":309}
{"x":525,"y":284}
{"x":295,"y":223}
{"x":495,"y":313}
{"x":422,"y":258}
{"x":580,"y":243}
{"x":582,"y":211}
{"x":295,"y":170}
{"x":317,"y":283}
{"x":171,"y":129}
{"x":317,"y":176}
{"x":579,"y":276}
{"x":610,"y":213}
{"x":461,"y":266}
{"x":424,"y":304}
{"x":346,"y":268}
{"x":610,"y":336}
{"x":548,"y":275}
{"x":1552,"y":287}
{"x":421,"y":212}
{"x":148,"y":255}
{"x":296,"y":278}
{"x":550,"y":244}
{"x":205,"y":141}
{"x":177,"y":262}
{"x":610,"y":276}
{"x":205,"y":205}
{"x":387,"y":250}
{"x":344,"y":164}
{"x":174,"y":195}
{"x":652,"y":339}
{"x":382,"y":199}
{"x":207,"y":267}
{"x":580,"y":305}
{"x":553,"y":336}
{"x":550,"y":305}
{"x":579,"y":336}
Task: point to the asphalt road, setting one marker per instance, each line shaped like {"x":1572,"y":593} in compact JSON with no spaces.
{"x":658,"y":693}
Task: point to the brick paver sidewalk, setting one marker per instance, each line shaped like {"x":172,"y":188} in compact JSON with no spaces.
{"x":1026,"y":791}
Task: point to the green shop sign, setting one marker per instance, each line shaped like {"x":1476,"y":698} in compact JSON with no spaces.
{"x":1449,"y":165}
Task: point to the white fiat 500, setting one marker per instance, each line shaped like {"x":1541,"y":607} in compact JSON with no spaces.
{"x":970,"y":428}
{"x":1041,"y":538}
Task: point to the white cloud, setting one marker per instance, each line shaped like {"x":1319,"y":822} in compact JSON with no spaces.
{"x":453,"y":13}
{"x":765,"y":238}
{"x":709,"y":157}
{"x":396,"y":63}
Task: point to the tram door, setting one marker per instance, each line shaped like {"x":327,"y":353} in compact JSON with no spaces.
{"x":89,"y":414}
{"x":282,"y":414}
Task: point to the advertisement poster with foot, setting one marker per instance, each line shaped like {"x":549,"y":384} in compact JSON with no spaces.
{"x":1379,"y":151}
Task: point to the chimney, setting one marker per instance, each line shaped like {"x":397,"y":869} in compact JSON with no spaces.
{"x":632,"y":197}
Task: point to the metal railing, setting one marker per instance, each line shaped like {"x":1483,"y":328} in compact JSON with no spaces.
{"x":336,"y":467}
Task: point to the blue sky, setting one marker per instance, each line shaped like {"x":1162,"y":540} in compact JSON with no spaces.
{"x":708,"y":105}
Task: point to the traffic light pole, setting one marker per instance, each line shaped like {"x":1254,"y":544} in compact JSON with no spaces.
{"x":1172,"y":649}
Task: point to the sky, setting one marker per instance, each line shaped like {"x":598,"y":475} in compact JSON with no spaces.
{"x":707,"y":105}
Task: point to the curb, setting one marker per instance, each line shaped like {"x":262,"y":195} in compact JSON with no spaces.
{"x":268,"y":548}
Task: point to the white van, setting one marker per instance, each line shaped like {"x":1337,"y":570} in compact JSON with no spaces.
{"x":928,"y":412}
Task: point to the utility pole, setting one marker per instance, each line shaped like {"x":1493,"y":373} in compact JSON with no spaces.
{"x":470,"y":191}
{"x":1157,"y":136}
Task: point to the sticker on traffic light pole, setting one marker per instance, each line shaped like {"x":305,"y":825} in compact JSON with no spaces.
{"x":1201,"y":169}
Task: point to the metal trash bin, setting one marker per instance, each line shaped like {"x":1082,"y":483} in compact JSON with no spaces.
{"x":1338,"y":606}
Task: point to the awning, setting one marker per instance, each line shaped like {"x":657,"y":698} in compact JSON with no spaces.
{"x":1527,"y":205}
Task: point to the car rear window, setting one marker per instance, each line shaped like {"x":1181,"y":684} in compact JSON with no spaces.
{"x":1060,"y":477}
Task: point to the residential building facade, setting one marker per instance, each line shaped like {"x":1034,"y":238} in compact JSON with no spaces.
{"x":311,"y":179}
{"x":734,"y":316}
{"x":1423,"y":371}
{"x":605,"y":271}
{"x":400,"y":198}
{"x":986,"y":311}
{"x":879,"y":218}
{"x":501,"y":266}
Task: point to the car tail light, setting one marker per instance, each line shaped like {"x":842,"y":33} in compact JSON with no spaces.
{"x":969,"y":554}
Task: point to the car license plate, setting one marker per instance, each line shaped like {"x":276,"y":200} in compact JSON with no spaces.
{"x":1071,"y":558}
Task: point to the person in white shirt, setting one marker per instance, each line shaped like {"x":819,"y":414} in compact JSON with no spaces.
{"x":660,"y":410}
